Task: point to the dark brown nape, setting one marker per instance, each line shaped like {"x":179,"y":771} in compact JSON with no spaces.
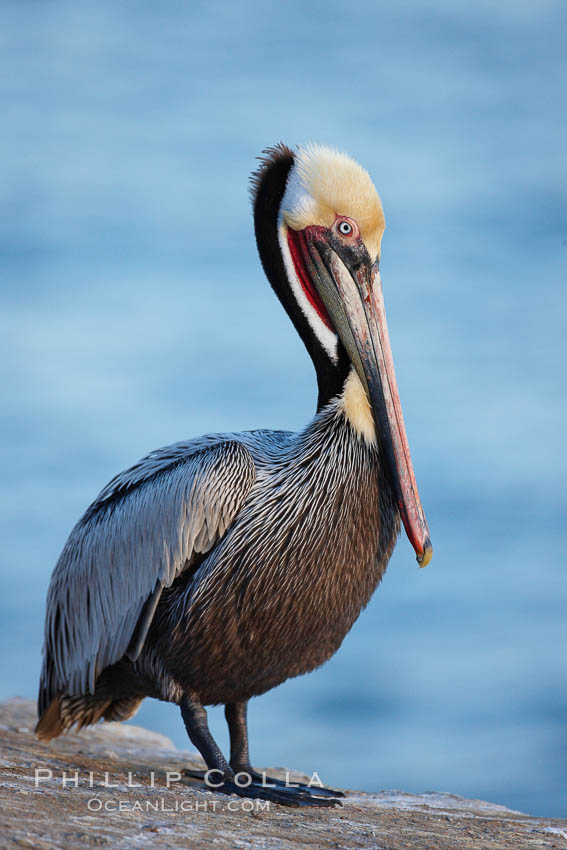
{"x":267,"y":187}
{"x":277,"y":157}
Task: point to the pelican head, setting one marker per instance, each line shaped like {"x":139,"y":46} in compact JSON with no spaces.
{"x":328,"y":223}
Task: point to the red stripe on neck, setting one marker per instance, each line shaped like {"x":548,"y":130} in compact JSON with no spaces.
{"x":293,"y":241}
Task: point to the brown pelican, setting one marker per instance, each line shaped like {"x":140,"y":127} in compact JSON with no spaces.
{"x":216,"y":568}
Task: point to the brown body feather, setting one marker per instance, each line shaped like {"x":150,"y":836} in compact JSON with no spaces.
{"x":276,"y":597}
{"x":285,"y":590}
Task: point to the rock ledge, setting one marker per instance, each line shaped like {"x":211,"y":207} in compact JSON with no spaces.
{"x":108,"y":787}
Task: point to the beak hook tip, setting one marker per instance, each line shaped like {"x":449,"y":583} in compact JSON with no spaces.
{"x":425,"y":557}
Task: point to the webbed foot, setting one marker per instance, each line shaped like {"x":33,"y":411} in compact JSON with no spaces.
{"x":276,"y":791}
{"x":314,"y":789}
{"x":258,"y":786}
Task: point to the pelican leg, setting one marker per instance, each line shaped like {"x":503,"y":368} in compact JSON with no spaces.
{"x":221,"y":777}
{"x":195,"y":719}
{"x":236,"y":717}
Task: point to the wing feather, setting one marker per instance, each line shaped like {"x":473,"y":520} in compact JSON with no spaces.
{"x":142,"y":531}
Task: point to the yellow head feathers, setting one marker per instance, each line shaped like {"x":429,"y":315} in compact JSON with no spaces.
{"x":324,"y":183}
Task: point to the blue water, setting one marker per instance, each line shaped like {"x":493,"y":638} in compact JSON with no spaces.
{"x":135,"y":313}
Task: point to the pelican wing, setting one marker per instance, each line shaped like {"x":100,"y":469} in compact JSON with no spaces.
{"x":148,"y":525}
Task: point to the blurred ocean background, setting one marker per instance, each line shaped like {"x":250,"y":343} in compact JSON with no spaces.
{"x":134,"y":313}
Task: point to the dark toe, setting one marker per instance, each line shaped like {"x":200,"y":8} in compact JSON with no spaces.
{"x":194,"y":774}
{"x":313,"y":790}
{"x":282,"y":794}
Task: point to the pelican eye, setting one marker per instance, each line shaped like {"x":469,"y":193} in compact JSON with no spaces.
{"x":346,"y":227}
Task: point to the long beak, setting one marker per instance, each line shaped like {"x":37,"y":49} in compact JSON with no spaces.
{"x":353,"y":298}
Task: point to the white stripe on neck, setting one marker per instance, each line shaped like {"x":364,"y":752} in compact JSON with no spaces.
{"x":325,"y":335}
